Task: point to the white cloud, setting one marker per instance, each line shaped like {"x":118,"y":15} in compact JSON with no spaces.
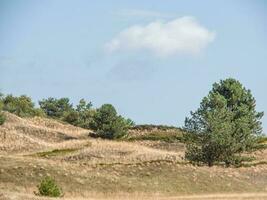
{"x":180,"y":36}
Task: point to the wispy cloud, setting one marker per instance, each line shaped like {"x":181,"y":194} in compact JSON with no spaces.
{"x":179,"y":36}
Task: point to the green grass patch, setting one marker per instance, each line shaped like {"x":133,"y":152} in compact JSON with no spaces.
{"x":58,"y":152}
{"x":55,"y":152}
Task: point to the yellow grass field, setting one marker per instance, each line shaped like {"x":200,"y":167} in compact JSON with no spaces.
{"x":89,"y":168}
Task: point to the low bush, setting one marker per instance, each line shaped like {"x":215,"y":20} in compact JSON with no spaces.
{"x":48,"y":187}
{"x":2,"y":118}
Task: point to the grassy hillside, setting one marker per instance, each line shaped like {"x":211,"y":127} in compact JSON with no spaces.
{"x":148,"y":164}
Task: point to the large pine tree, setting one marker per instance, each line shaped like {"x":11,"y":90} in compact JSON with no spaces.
{"x":224,"y":126}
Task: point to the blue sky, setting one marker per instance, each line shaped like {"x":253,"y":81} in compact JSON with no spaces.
{"x":154,"y":60}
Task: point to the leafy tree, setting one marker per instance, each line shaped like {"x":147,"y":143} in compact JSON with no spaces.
{"x":129,"y":123}
{"x":81,"y":116}
{"x":56,"y":108}
{"x":224,"y":126}
{"x":22,"y":106}
{"x":62,"y":109}
{"x":83,"y":106}
{"x":86,"y":113}
{"x":108,"y":124}
{"x":49,"y":187}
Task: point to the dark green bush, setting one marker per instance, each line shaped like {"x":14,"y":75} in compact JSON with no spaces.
{"x":150,"y":127}
{"x":63,"y":110}
{"x":71,"y":117}
{"x":108,"y":124}
{"x":49,"y":187}
{"x":2,"y":118}
{"x":104,"y":120}
{"x":55,"y":108}
{"x":84,"y":114}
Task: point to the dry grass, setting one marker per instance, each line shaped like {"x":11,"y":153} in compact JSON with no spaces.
{"x":89,"y":168}
{"x":22,"y":135}
{"x":104,"y":151}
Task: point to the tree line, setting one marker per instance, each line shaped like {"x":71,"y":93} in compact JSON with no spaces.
{"x":224,"y":127}
{"x":105,"y":121}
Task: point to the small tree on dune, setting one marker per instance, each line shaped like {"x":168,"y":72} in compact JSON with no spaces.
{"x":108,"y":124}
{"x":86,"y":113}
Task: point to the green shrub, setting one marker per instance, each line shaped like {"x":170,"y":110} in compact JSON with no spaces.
{"x":22,"y":106}
{"x":108,"y":124}
{"x":2,"y":118}
{"x":49,"y":187}
{"x":82,"y":116}
{"x":71,"y":117}
{"x":55,"y":108}
{"x":63,"y":110}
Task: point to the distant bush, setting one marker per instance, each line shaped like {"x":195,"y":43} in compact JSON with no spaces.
{"x":55,"y":108}
{"x":81,"y":116}
{"x":63,"y":110}
{"x":2,"y":118}
{"x":150,"y":127}
{"x":48,"y":187}
{"x":129,"y":123}
{"x":170,"y":137}
{"x":103,"y":120}
{"x":108,"y":124}
{"x":22,"y":106}
{"x":71,"y":117}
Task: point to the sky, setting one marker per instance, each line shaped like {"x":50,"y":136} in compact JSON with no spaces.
{"x":154,"y":60}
